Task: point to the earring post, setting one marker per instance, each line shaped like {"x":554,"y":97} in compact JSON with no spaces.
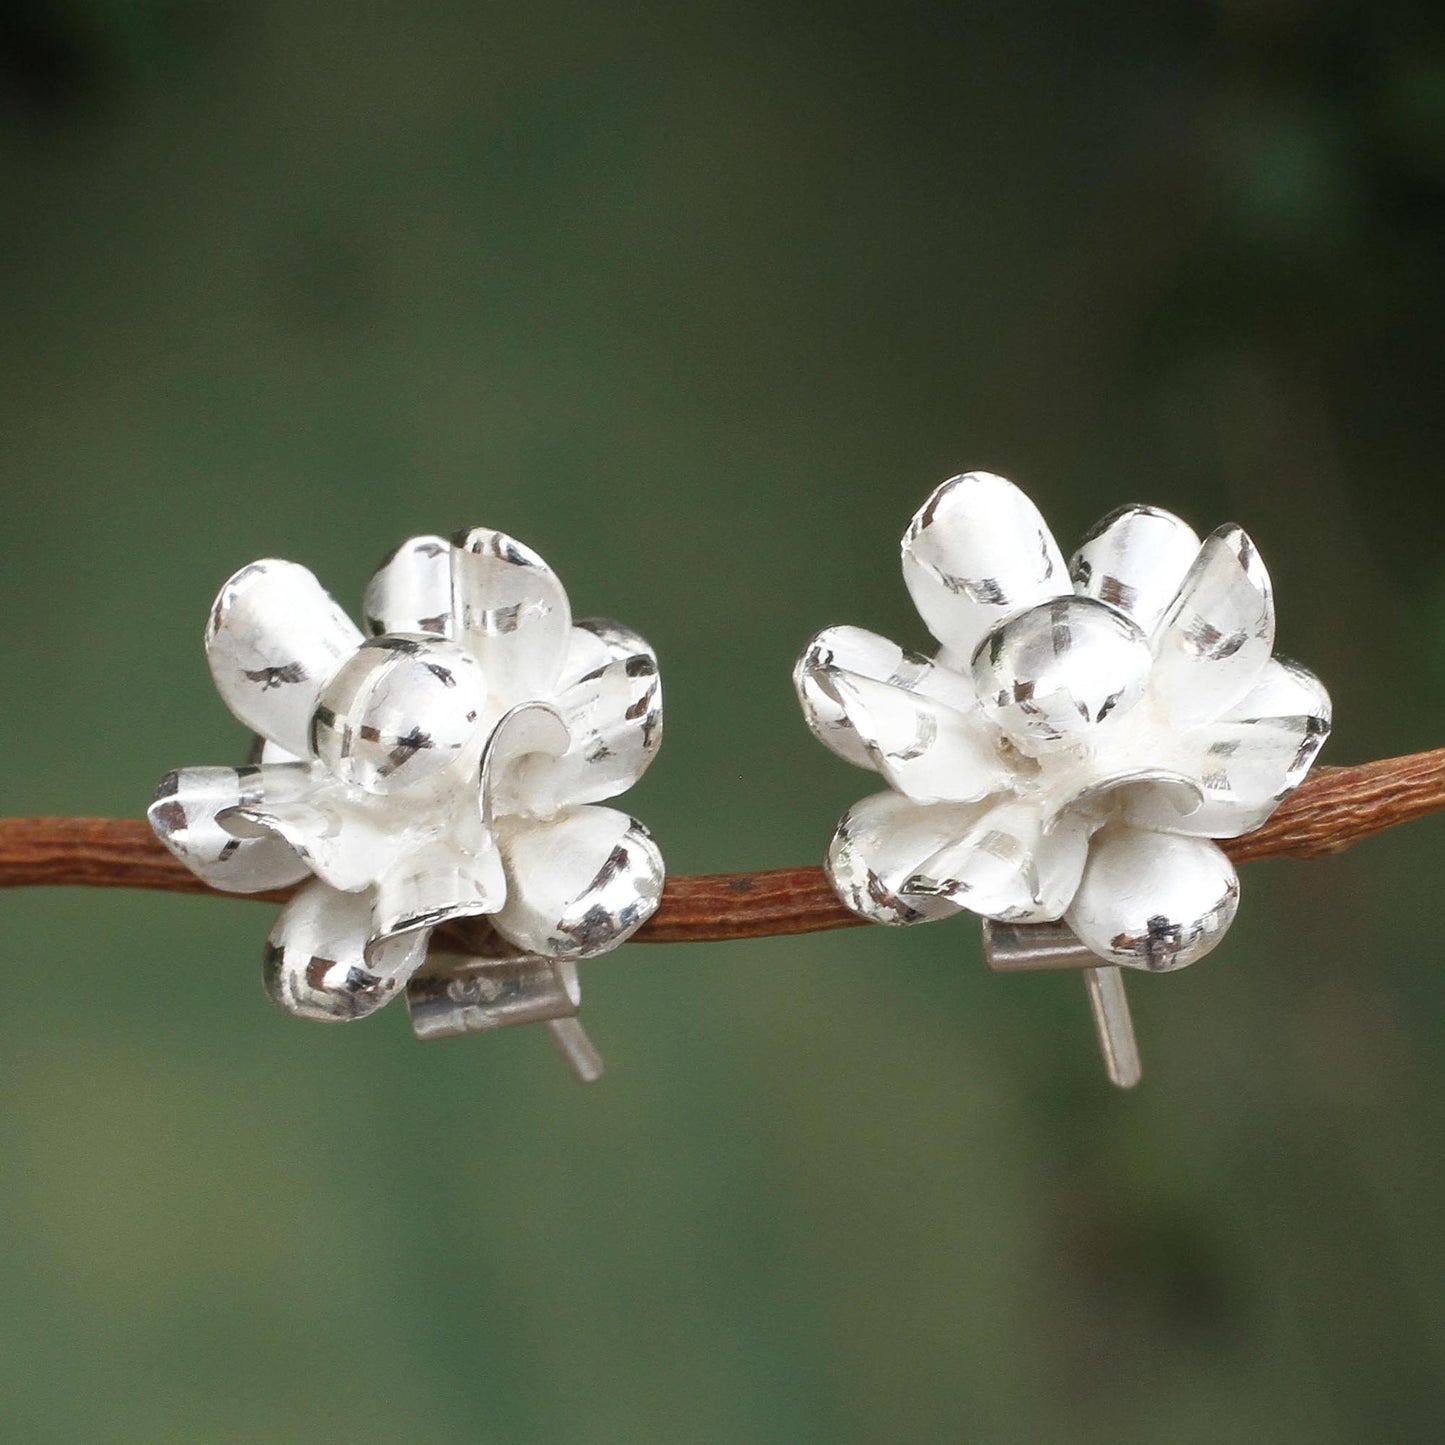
{"x":1110,"y":1006}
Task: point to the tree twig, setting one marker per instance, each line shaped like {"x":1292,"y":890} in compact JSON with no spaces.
{"x":1333,"y":808}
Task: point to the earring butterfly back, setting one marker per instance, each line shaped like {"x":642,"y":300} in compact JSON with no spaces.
{"x":1062,"y":765}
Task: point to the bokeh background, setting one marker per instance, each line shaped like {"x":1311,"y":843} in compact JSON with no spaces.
{"x":701,"y":301}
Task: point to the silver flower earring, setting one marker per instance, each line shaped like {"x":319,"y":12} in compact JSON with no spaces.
{"x":1063,"y":763}
{"x":448,"y":767}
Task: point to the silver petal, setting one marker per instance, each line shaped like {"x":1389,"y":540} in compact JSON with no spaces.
{"x":856,"y":650}
{"x":578,"y":885}
{"x":924,"y":748}
{"x":1006,"y":866}
{"x":1154,"y":901}
{"x":513,"y":611}
{"x":976,"y":552}
{"x":318,"y":965}
{"x":1248,"y":761}
{"x":1214,"y":641}
{"x":412,"y":589}
{"x":435,"y":884}
{"x":273,"y":639}
{"x":184,"y":817}
{"x":614,"y":719}
{"x":343,"y":838}
{"x":596,"y":641}
{"x":878,"y":845}
{"x":1135,"y":559}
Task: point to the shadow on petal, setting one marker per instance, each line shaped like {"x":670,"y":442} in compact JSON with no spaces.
{"x":596,"y":641}
{"x":925,"y":749}
{"x":342,"y":835}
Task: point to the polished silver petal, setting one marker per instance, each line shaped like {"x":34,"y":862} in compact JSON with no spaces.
{"x":344,"y":836}
{"x":273,"y":639}
{"x":1214,"y":641}
{"x":1059,"y":671}
{"x":399,"y":712}
{"x":1006,"y":866}
{"x":184,"y":817}
{"x":1153,"y":901}
{"x":578,"y":885}
{"x":318,"y":965}
{"x":924,"y":748}
{"x":438,"y":883}
{"x":1248,"y":761}
{"x":856,"y":650}
{"x":513,"y":612}
{"x":614,"y":721}
{"x":596,"y":641}
{"x":879,"y":844}
{"x":412,"y":590}
{"x":1100,"y":790}
{"x":976,"y":552}
{"x":1135,"y":559}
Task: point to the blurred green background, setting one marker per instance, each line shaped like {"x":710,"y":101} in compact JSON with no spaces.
{"x":701,"y":301}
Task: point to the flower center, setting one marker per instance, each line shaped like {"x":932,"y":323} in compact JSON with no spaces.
{"x":400,"y":711}
{"x":1053,"y":674}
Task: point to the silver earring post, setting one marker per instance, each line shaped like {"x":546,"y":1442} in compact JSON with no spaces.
{"x":1035,"y":947}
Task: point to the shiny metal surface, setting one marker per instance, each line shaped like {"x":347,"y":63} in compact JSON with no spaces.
{"x":1109,"y":1004}
{"x":1057,"y":672}
{"x":1078,"y":738}
{"x":400,"y":710}
{"x":976,"y":552}
{"x":581,"y":883}
{"x":322,"y":961}
{"x":458,"y":995}
{"x":273,"y":639}
{"x":1135,"y":559}
{"x":1007,"y":866}
{"x":448,"y":766}
{"x":468,"y":996}
{"x":1032,"y":947}
{"x":1155,"y":901}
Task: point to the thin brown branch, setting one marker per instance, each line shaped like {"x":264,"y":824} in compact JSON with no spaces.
{"x":1333,"y":809}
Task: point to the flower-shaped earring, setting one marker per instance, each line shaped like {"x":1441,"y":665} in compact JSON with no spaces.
{"x":447,"y":767}
{"x":1061,"y":766}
